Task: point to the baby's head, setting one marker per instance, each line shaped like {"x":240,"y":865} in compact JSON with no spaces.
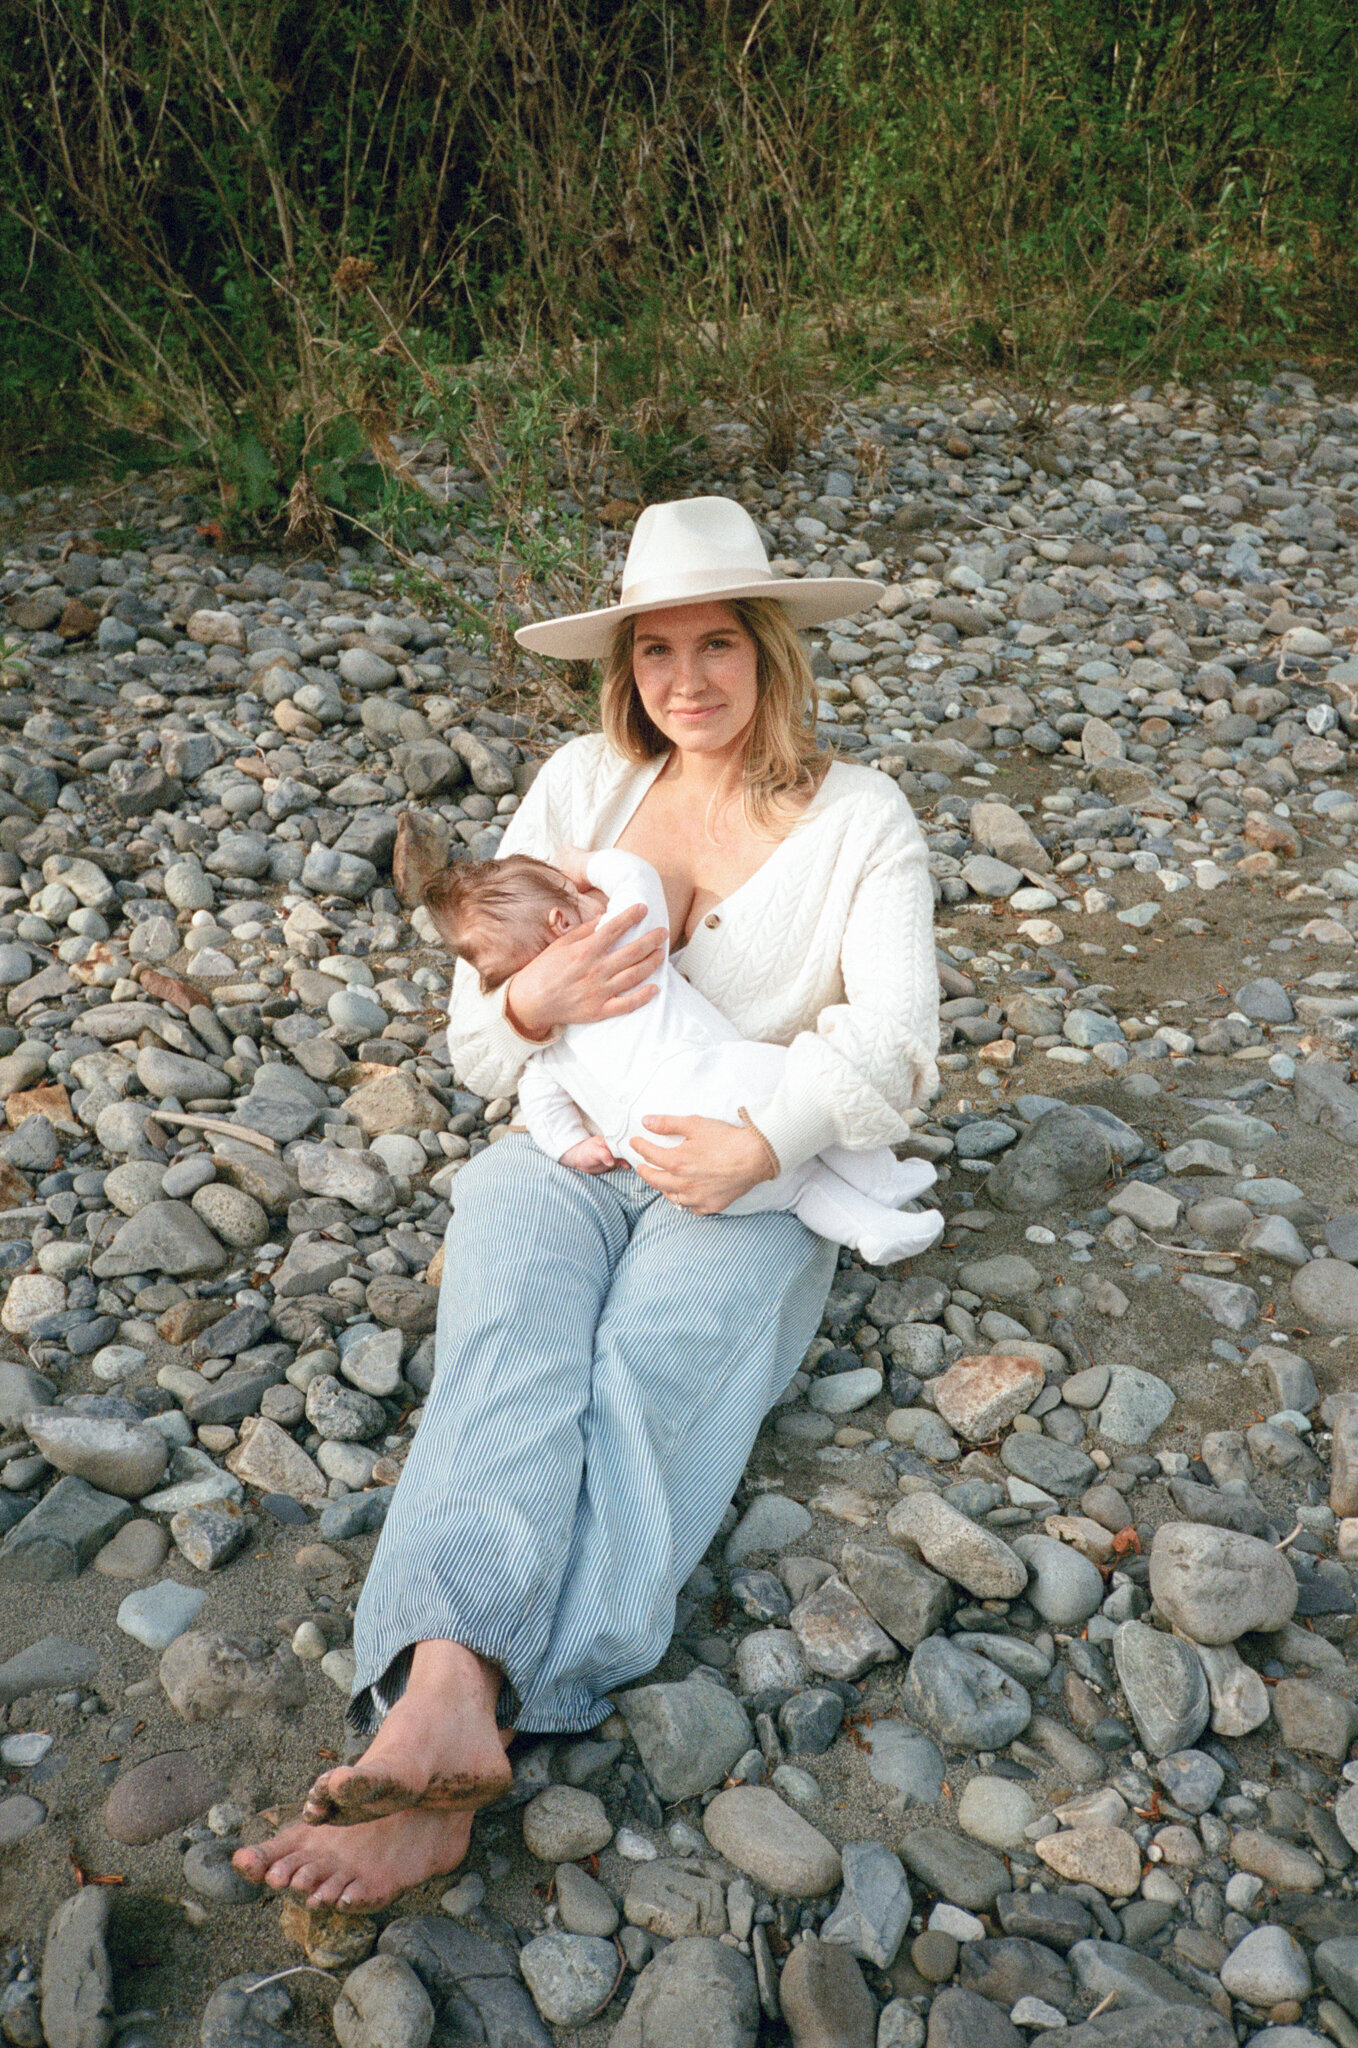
{"x":499,"y":914}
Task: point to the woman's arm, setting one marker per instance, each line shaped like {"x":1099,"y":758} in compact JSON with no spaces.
{"x":579,"y":979}
{"x":871,"y":1057}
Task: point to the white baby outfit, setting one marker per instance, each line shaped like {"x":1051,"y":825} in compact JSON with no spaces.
{"x":678,"y":1056}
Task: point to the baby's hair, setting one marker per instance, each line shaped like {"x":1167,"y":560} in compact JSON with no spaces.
{"x":508,"y":891}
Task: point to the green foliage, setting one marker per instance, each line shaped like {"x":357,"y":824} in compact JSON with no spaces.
{"x":551,"y":229}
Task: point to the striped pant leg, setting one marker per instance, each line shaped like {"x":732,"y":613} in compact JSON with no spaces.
{"x":706,"y":1321}
{"x":480,"y":1528}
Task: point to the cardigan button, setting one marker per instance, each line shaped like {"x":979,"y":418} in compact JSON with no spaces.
{"x":712,"y":921}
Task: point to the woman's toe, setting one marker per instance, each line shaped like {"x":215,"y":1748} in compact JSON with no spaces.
{"x":328,"y":1890}
{"x":307,"y":1876}
{"x":251,"y":1864}
{"x":278,"y":1876}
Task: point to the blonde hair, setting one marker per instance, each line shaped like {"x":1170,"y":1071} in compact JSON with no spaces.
{"x":783,"y":761}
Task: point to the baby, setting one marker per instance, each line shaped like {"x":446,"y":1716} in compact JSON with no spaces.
{"x":675,"y":1056}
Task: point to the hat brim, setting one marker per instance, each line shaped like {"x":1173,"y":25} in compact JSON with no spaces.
{"x":588,"y":636}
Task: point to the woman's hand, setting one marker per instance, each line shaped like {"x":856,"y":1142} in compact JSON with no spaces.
{"x":715,"y":1164}
{"x":580,"y":979}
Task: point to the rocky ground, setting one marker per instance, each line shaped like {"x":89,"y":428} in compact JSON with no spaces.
{"x":1014,"y":1700}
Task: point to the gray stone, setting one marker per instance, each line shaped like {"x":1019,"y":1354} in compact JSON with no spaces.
{"x":49,"y":1665}
{"x":57,"y":1538}
{"x":955,"y":1546}
{"x":1134,"y":1407}
{"x":205,"y":1676}
{"x":674,"y":1903}
{"x":343,"y":1414}
{"x":960,"y":2019}
{"x":331,"y":873}
{"x":996,"y":1812}
{"x":1313,"y":1719}
{"x":1102,"y":1967}
{"x":584,"y":1907}
{"x":164,"y":1237}
{"x":1325,"y":1294}
{"x":210,"y":1534}
{"x":565,"y":1823}
{"x":689,"y":1735}
{"x":22,"y":1390}
{"x":771,"y":1522}
{"x":163,"y":1073}
{"x":837,"y":1634}
{"x":383,"y":2004}
{"x":1165,"y":1686}
{"x":1042,"y":1461}
{"x":823,"y":1998}
{"x":1215,"y":1585}
{"x":77,"y":1983}
{"x":1265,"y":1001}
{"x":116,"y":1457}
{"x":240,"y":2016}
{"x":208,"y":1871}
{"x":156,"y":1615}
{"x":699,"y":1991}
{"x":1227,"y":1302}
{"x":903,"y":1759}
{"x":571,"y":1976}
{"x":964,"y":1700}
{"x":1010,"y":1968}
{"x":1145,"y":2025}
{"x":1063,"y":1586}
{"x":234,"y":1217}
{"x":20,"y":1817}
{"x":1060,"y":1157}
{"x":157,"y":1797}
{"x":1191,"y":1778}
{"x":353,"y":1177}
{"x":873,"y":1910}
{"x":751,"y":1827}
{"x":770,"y":1660}
{"x":906,"y":1597}
{"x":1268,"y":1966}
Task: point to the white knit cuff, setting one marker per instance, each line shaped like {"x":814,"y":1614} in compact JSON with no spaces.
{"x":797,"y":1130}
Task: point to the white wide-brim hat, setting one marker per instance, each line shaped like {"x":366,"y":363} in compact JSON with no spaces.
{"x":697,"y":551}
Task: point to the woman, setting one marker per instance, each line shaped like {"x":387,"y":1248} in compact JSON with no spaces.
{"x":606,"y":1353}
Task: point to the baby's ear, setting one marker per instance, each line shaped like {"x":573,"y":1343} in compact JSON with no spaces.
{"x":560,"y":921}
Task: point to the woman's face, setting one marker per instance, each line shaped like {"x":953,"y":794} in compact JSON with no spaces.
{"x":696,"y":671}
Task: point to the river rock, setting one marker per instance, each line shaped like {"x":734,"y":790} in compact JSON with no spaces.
{"x":1216,"y":1585}
{"x":77,"y":1983}
{"x":698,"y":1991}
{"x":955,"y":1546}
{"x":1165,"y":1686}
{"x":965,"y":1701}
{"x":823,"y":1998}
{"x":752,"y":1827}
{"x":158,"y":1796}
{"x":116,"y":1457}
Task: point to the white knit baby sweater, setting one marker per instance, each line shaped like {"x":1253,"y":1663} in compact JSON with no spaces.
{"x":826,"y":949}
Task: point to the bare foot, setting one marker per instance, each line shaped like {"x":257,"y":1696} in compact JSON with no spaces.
{"x":438,"y":1749}
{"x":358,"y":1868}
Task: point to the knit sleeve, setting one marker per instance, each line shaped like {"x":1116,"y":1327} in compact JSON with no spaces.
{"x":872,"y":1056}
{"x":487,"y":1053}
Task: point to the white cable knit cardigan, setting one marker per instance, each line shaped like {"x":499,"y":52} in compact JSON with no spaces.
{"x":827,"y":949}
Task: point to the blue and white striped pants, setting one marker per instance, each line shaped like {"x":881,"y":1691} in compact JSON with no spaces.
{"x":604,"y":1362}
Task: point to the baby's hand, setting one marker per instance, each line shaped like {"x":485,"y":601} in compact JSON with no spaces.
{"x":591,"y":1155}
